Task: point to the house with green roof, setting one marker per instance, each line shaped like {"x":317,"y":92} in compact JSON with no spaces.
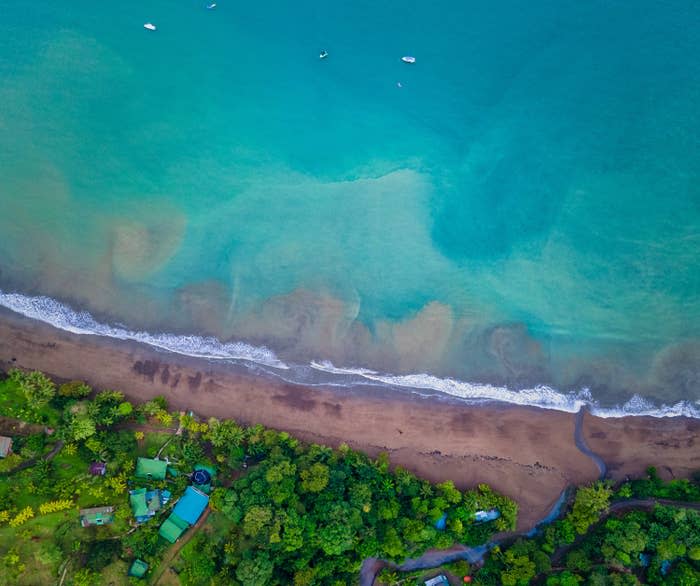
{"x":172,"y":528}
{"x":186,"y":513}
{"x":96,"y":516}
{"x":138,"y":568}
{"x":145,"y":503}
{"x":137,"y":500}
{"x":151,"y":469}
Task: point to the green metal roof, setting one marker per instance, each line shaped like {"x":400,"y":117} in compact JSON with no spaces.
{"x":172,"y":528}
{"x":149,"y":468}
{"x":138,"y":569}
{"x":137,"y":499}
{"x":96,"y":516}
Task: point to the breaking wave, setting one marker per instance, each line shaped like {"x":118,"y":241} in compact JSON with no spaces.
{"x":63,"y":317}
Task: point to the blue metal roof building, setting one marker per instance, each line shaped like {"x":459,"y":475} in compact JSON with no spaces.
{"x":191,"y":506}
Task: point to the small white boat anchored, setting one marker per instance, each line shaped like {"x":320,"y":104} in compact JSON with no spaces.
{"x":408,"y":59}
{"x":149,"y":26}
{"x":211,"y":6}
{"x":323,"y":54}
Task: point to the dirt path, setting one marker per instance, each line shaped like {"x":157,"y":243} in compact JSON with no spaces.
{"x":29,"y":463}
{"x":175,"y":549}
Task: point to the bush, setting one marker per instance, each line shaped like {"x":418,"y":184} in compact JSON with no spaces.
{"x":75,"y":389}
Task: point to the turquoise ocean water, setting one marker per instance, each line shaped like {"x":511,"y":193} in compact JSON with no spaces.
{"x":515,"y":216}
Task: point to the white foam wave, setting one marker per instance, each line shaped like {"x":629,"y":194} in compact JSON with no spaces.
{"x":541,"y":396}
{"x":63,"y":317}
{"x":642,"y":407}
{"x":327,"y":366}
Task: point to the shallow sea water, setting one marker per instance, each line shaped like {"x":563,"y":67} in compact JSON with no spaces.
{"x":521,"y":214}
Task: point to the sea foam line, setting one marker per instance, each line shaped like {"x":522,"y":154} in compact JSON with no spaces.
{"x":541,"y":396}
{"x":63,"y":317}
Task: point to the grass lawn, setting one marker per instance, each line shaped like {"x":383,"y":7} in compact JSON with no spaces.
{"x":14,"y":404}
{"x":115,"y":574}
{"x":148,"y":447}
{"x":34,"y":542}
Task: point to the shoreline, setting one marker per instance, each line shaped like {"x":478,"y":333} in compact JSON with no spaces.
{"x":250,"y":358}
{"x":527,"y":453}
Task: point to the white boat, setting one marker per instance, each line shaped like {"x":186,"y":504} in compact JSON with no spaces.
{"x":408,"y":59}
{"x":323,"y":55}
{"x":211,"y":6}
{"x":149,"y":26}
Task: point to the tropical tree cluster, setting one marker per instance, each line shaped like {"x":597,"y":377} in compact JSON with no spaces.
{"x":660,"y":545}
{"x":307,"y":514}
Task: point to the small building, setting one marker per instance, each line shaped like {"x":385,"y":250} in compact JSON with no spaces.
{"x":186,"y":513}
{"x":202,"y":477}
{"x":151,"y":469}
{"x":440,"y":580}
{"x":138,"y":568}
{"x":97,"y":469}
{"x":146,"y":503}
{"x":5,"y":446}
{"x":96,"y":516}
{"x":172,"y":528}
{"x":192,"y":504}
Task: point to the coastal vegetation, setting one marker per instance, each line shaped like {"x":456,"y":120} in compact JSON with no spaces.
{"x":282,"y":511}
{"x":645,"y":531}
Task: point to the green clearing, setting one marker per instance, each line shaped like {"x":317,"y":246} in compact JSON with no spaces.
{"x":152,"y":442}
{"x":14,"y":404}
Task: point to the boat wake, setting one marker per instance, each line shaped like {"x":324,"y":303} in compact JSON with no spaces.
{"x":63,"y":317}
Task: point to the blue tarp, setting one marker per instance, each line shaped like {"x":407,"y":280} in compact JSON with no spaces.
{"x":191,"y":506}
{"x":441,"y":523}
{"x":483,"y":516}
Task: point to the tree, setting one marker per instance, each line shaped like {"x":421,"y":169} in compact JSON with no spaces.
{"x":625,"y":539}
{"x":336,"y":536}
{"x":85,"y":577}
{"x":564,"y":579}
{"x":37,"y":387}
{"x":683,"y":575}
{"x":315,"y":478}
{"x":82,"y":427}
{"x":589,"y":503}
{"x":226,"y":433}
{"x":519,"y":569}
{"x":255,"y":570}
{"x":578,"y":561}
{"x":256,"y":519}
{"x":75,"y":389}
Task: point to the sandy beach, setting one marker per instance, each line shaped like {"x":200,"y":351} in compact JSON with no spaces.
{"x":528,"y":454}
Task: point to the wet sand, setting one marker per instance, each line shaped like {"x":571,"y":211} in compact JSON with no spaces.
{"x":528,"y":454}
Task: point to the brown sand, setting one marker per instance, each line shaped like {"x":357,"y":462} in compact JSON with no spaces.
{"x":526,"y":453}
